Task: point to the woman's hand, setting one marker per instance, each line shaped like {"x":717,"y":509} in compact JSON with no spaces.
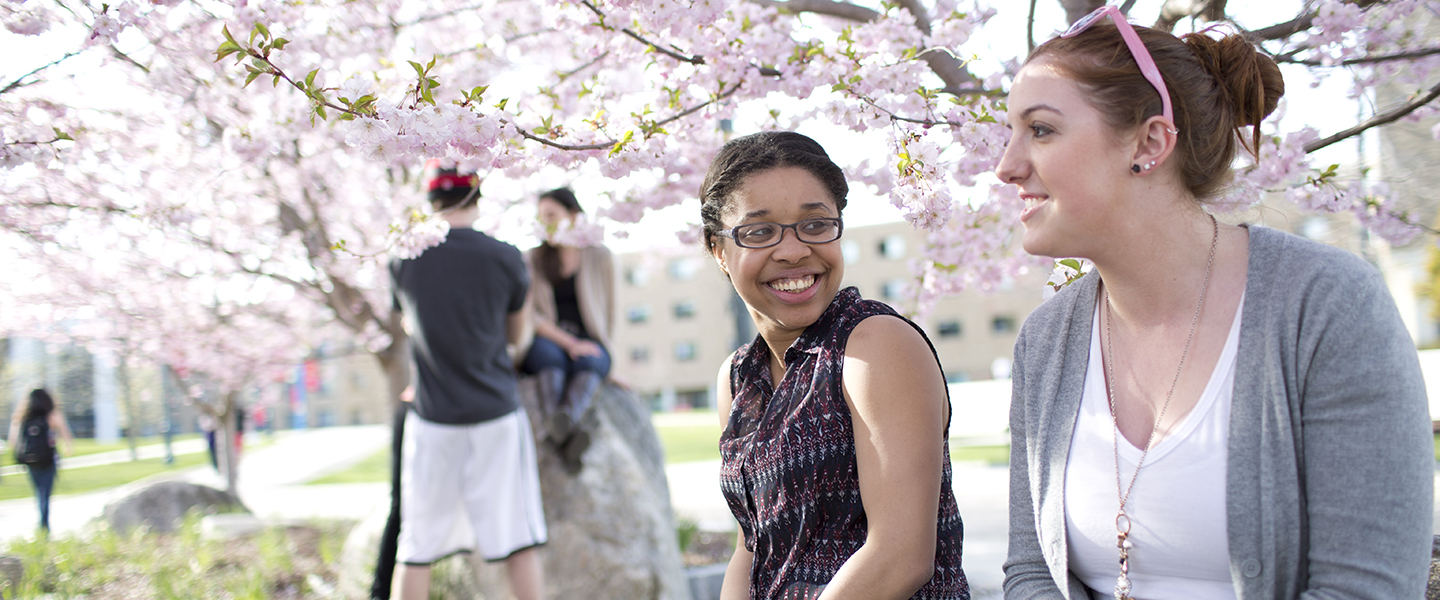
{"x":581,"y":348}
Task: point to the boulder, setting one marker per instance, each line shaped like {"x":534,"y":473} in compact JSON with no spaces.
{"x":162,"y":506}
{"x":612,"y":533}
{"x":1432,"y":589}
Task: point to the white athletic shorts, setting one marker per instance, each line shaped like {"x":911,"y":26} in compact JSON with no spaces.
{"x":468,"y":488}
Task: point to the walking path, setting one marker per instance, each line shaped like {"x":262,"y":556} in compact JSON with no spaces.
{"x":272,"y":477}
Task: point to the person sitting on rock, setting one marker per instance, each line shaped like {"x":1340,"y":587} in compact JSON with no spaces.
{"x":573,"y":298}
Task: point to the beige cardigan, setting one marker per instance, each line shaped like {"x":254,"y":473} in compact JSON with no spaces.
{"x":594,"y":287}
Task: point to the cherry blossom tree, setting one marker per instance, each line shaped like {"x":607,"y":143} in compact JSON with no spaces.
{"x":257,"y":161}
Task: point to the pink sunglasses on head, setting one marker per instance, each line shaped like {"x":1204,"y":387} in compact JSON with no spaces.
{"x":1137,"y":50}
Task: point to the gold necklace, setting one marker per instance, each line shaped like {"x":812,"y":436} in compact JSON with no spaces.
{"x":1122,"y":521}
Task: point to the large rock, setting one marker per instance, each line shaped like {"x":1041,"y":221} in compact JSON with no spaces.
{"x":1432,"y":590}
{"x":612,"y":535}
{"x":162,"y":506}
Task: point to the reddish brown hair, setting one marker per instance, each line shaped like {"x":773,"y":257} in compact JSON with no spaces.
{"x":1218,"y":87}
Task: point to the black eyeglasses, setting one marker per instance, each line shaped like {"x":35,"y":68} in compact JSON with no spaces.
{"x":819,"y":230}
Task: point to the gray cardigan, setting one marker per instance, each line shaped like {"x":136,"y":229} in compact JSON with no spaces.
{"x":1329,"y":477}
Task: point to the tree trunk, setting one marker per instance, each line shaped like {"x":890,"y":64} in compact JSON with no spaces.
{"x":127,"y":395}
{"x":225,"y":442}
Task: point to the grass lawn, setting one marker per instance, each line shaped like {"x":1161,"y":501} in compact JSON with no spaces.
{"x":688,"y":443}
{"x":87,"y":479}
{"x":682,"y":443}
{"x":83,"y":446}
{"x":375,"y":468}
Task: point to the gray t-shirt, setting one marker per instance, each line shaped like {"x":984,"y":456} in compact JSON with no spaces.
{"x":457,"y":296}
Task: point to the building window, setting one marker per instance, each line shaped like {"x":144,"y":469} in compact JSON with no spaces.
{"x":639,"y":313}
{"x":948,"y":329}
{"x":685,"y":351}
{"x":1003,"y":325}
{"x":893,"y":290}
{"x":637,"y":276}
{"x":684,"y":309}
{"x":640,"y":354}
{"x":684,"y":269}
{"x":893,"y":247}
{"x":850,"y":249}
{"x":692,"y":399}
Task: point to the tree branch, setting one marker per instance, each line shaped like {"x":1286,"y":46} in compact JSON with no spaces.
{"x":1289,"y":57}
{"x":1030,"y":29}
{"x":950,"y":69}
{"x":922,"y":16}
{"x":843,"y":10}
{"x":1389,"y":116}
{"x":694,"y":60}
{"x":20,"y":81}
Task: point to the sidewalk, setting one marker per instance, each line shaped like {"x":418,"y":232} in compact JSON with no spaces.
{"x":269,"y":481}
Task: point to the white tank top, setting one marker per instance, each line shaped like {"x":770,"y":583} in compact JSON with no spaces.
{"x":1177,"y":507}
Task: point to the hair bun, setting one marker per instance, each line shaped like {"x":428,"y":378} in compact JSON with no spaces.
{"x":1251,"y":80}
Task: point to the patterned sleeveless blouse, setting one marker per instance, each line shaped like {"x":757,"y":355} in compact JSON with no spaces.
{"x":788,"y":465}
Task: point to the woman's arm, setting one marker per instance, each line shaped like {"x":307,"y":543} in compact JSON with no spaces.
{"x":1368,"y":451}
{"x":898,"y":409}
{"x":736,"y":585}
{"x":1026,"y":573}
{"x":61,"y":427}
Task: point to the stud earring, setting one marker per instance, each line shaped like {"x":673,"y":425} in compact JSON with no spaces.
{"x":1149,"y":165}
{"x":1134,"y":168}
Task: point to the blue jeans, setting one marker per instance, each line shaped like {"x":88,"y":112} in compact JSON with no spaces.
{"x":44,"y":480}
{"x":545,"y":354}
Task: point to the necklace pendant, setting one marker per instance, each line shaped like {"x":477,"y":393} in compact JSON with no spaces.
{"x":1122,"y":587}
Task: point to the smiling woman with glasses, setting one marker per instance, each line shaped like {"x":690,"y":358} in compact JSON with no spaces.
{"x":835,"y":459}
{"x":1216,"y":411}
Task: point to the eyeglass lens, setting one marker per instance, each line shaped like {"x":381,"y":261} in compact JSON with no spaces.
{"x":810,"y":231}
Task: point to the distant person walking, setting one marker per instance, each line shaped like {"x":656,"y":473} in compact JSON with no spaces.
{"x":34,"y":429}
{"x":573,"y":297}
{"x":467,"y":446}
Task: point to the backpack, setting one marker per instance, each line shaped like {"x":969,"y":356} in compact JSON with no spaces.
{"x":33,"y":447}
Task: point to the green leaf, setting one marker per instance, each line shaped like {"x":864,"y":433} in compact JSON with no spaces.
{"x":479,"y":89}
{"x":310,"y":79}
{"x":620,"y":145}
{"x":419,"y":70}
{"x":279,"y":43}
{"x":276,"y":82}
{"x":501,"y":104}
{"x":251,"y":77}
{"x":225,"y":29}
{"x":320,"y":110}
{"x":1070,"y":262}
{"x":60,"y":135}
{"x":226,"y":49}
{"x":265,"y":31}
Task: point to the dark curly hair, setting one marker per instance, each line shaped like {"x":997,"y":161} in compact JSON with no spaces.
{"x":744,"y":156}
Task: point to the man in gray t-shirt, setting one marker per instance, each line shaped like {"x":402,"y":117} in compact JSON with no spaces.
{"x":467,"y":444}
